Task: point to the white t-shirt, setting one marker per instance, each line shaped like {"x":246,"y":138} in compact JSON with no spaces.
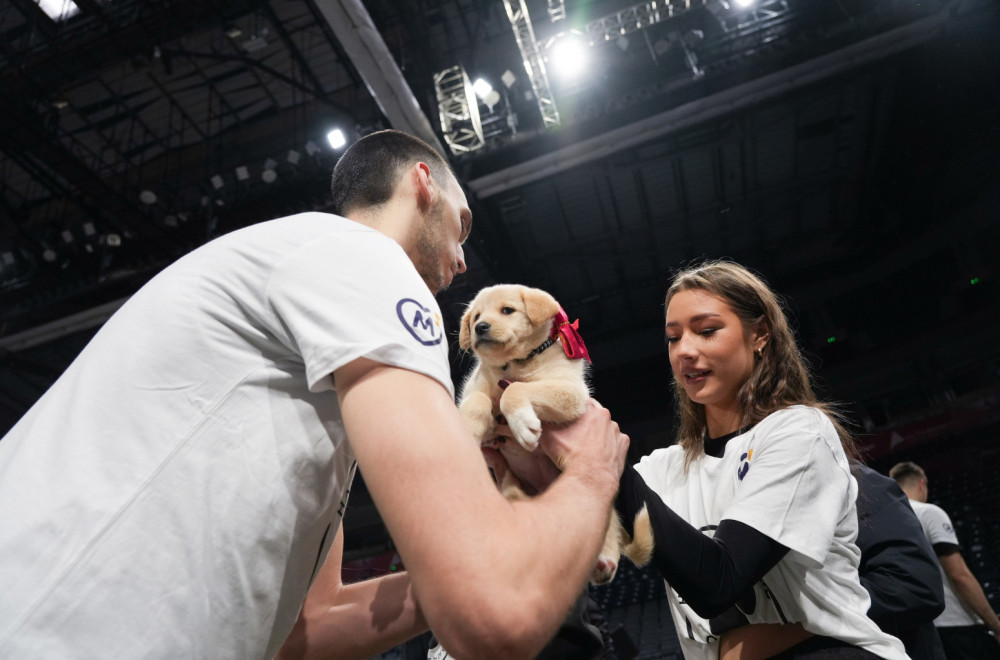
{"x":788,"y":478}
{"x":938,"y":529}
{"x":174,"y":492}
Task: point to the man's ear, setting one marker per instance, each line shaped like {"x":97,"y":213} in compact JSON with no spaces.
{"x":425,"y":185}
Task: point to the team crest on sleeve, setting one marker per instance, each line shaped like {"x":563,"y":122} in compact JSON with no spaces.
{"x":421,"y":322}
{"x":744,"y":464}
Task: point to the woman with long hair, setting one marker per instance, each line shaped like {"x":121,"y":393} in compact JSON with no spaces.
{"x":754,"y":509}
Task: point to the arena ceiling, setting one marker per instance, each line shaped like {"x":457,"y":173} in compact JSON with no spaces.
{"x":849,"y":151}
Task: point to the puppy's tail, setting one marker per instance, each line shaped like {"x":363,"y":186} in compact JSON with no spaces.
{"x":640,"y":548}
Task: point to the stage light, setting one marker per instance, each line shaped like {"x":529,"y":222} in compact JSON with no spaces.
{"x":58,"y":10}
{"x":508,"y":78}
{"x":242,"y":173}
{"x":312,"y":148}
{"x":293,"y":156}
{"x":743,"y":4}
{"x":336,"y":138}
{"x":491,"y":99}
{"x":147,"y":197}
{"x":567,"y":54}
{"x":89,"y":229}
{"x":67,"y":236}
{"x":217,"y":181}
{"x":482,"y":88}
{"x":269,"y":175}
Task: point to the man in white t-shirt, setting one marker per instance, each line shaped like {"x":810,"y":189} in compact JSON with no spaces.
{"x":967,"y":613}
{"x":177,"y":490}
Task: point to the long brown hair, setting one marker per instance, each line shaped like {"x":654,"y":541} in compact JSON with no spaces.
{"x":780,"y":377}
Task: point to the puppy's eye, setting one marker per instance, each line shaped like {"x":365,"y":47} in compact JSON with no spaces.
{"x":507,"y":310}
{"x":476,"y":317}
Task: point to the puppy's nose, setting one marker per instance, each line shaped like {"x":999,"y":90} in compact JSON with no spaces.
{"x":482,"y":328}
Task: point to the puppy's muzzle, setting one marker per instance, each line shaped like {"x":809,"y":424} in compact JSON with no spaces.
{"x":482,"y":329}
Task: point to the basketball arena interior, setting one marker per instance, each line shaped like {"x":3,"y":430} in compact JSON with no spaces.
{"x":847,"y":151}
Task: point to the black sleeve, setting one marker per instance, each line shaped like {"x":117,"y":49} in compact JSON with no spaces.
{"x":898,"y":567}
{"x":710,"y":574}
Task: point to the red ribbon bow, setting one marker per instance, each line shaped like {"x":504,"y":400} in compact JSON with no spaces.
{"x":569,"y":336}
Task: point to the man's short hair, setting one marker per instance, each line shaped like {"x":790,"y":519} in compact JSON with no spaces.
{"x":907,"y":472}
{"x":367,"y":173}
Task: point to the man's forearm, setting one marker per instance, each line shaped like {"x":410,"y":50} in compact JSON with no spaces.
{"x":972,"y":594}
{"x":358,"y":621}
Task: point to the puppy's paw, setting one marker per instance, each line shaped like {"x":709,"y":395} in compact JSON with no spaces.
{"x":604,"y":572}
{"x":477,"y":412}
{"x":526,"y":427}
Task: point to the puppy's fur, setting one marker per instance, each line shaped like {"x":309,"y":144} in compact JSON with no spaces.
{"x":502,"y":326}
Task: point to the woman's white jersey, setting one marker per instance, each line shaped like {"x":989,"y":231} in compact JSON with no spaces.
{"x":788,"y":478}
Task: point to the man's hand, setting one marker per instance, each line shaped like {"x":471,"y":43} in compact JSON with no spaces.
{"x":594,"y":439}
{"x":592,"y":445}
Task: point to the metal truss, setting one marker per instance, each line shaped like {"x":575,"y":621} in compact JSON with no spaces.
{"x":635,"y":18}
{"x":557,"y":10}
{"x":520,"y":22}
{"x":458,"y":111}
{"x":641,"y":16}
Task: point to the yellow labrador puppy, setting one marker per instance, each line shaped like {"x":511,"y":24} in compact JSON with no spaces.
{"x":531,"y":367}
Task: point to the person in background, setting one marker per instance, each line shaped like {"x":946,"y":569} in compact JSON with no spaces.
{"x":754,"y":509}
{"x":176,"y":491}
{"x":969,"y":628}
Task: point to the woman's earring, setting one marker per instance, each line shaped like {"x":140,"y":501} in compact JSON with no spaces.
{"x":759,"y":352}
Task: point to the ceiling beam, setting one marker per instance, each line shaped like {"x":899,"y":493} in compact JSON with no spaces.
{"x":354,"y":29}
{"x":722,"y":103}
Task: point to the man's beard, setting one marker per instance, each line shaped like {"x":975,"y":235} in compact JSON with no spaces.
{"x":428,"y":261}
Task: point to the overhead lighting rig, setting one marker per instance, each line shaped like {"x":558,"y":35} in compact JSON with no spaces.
{"x":534,"y":64}
{"x":458,"y":111}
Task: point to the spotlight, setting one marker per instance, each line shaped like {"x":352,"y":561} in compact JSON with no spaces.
{"x":312,"y":148}
{"x":67,"y":236}
{"x":293,"y":156}
{"x":337,"y":138}
{"x":743,"y":4}
{"x":508,"y":78}
{"x":217,"y":181}
{"x":491,"y":99}
{"x":242,"y":173}
{"x":147,"y":197}
{"x":269,"y":175}
{"x":482,"y":88}
{"x":567,"y":54}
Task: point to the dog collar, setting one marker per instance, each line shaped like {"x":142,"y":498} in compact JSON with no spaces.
{"x":565,"y":333}
{"x":538,"y":349}
{"x":569,"y":336}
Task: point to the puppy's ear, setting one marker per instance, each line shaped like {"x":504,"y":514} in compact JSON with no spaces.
{"x":465,"y":329}
{"x":538,"y":305}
